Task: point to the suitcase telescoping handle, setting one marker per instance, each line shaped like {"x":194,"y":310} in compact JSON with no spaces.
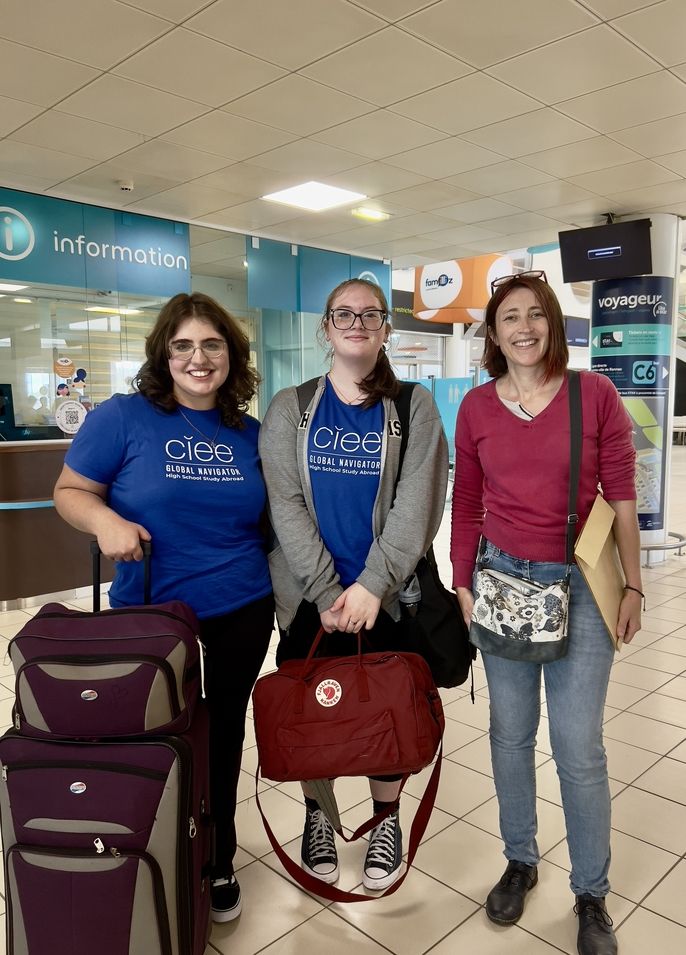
{"x":147,"y":584}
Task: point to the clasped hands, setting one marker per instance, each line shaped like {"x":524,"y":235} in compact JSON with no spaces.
{"x":354,"y":610}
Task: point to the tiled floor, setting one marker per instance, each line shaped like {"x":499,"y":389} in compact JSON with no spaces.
{"x":440,"y":907}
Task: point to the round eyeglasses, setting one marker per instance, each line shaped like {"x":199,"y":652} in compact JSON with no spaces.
{"x":183,"y":348}
{"x":504,"y":279}
{"x":372,"y":319}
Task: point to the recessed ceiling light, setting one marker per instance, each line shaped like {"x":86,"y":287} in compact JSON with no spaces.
{"x":370,"y":215}
{"x":23,"y":301}
{"x":314,"y":196}
{"x":103,"y":310}
{"x":5,"y":287}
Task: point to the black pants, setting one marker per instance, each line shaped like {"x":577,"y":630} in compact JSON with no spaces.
{"x":235,"y":647}
{"x":295,"y":643}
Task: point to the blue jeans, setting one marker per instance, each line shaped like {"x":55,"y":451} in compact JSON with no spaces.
{"x":576,"y":687}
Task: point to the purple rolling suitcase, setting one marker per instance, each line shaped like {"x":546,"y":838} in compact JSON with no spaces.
{"x":110,"y":673}
{"x":107,"y":845}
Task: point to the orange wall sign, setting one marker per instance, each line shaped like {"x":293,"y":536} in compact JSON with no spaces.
{"x":458,"y":290}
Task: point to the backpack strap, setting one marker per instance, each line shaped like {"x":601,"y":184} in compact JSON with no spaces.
{"x":305,"y":393}
{"x":402,"y":406}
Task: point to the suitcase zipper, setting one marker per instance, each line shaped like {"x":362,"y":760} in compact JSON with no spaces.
{"x":151,"y":862}
{"x":83,"y":660}
{"x":117,"y":611}
{"x":128,"y":770}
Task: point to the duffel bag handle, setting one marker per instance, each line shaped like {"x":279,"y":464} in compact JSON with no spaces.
{"x":330,"y":892}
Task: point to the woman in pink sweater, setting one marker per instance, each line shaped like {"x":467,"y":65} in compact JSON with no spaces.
{"x":510,"y":494}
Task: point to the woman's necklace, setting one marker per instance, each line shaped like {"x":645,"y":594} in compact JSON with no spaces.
{"x":211,"y":441}
{"x":349,"y":401}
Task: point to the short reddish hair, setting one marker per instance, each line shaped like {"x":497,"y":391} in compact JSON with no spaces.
{"x":556,"y":358}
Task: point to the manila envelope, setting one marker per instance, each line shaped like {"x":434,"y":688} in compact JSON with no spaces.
{"x":598,"y":561}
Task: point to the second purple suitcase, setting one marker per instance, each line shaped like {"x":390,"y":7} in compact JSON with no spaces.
{"x":107,"y":845}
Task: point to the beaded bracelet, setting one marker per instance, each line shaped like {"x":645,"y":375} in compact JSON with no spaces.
{"x":636,"y":591}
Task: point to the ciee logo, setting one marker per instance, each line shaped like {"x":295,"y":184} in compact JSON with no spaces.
{"x":441,"y":281}
{"x":17,"y":237}
{"x":328,"y":693}
{"x":644,"y":372}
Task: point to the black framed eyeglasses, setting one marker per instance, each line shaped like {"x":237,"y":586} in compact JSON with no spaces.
{"x":372,"y":319}
{"x":504,"y":279}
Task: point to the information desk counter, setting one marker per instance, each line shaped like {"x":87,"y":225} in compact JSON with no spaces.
{"x":39,"y":552}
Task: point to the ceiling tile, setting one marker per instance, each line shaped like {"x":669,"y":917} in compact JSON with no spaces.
{"x":477,"y":210}
{"x":226,"y":135}
{"x":178,"y":162}
{"x":680,"y":70}
{"x":482,"y":32}
{"x":81,"y":137}
{"x":101,"y":184}
{"x":615,"y":8}
{"x":655,"y":139}
{"x":249,"y":181}
{"x":26,"y":183}
{"x":314,"y":227}
{"x":458,"y":234}
{"x":632,"y":175}
{"x":42,"y":163}
{"x":198,"y":68}
{"x":428,"y":196}
{"x":252,"y":215}
{"x":446,"y":158}
{"x":393,"y":10}
{"x":586,"y":212}
{"x":224,"y":247}
{"x":14,"y":113}
{"x":675,"y":162}
{"x":638,"y":101}
{"x":533,"y":132}
{"x":387,"y":67}
{"x":638,"y":199}
{"x":99,"y":33}
{"x":658,"y":29}
{"x":308,"y":158}
{"x":298,"y":105}
{"x":411,"y":261}
{"x":399,"y":247}
{"x":607,"y":58}
{"x":34,"y":77}
{"x":199,"y":235}
{"x":131,"y":106}
{"x":545,"y":195}
{"x":379,"y":134}
{"x":473,"y":101}
{"x":456,"y":250}
{"x":174,"y":10}
{"x":507,"y":225}
{"x":290,"y":34}
{"x":375,"y":178}
{"x":499,"y":177}
{"x":578,"y":158}
{"x":188,"y":200}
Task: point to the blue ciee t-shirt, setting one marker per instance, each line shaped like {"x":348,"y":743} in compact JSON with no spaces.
{"x":344,"y":460}
{"x":196,"y":485}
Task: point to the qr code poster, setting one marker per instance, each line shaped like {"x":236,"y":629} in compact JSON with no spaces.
{"x":69,"y":416}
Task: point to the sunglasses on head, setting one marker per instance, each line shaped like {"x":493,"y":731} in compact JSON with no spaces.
{"x":504,"y":279}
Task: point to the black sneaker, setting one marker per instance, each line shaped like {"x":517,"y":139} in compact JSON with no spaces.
{"x":384,"y":855}
{"x":318,"y":851}
{"x":226,"y":899}
{"x":596,"y":935}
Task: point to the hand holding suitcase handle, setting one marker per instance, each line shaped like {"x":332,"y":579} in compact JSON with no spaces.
{"x":147,"y":583}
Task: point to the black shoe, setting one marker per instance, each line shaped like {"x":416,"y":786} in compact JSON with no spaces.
{"x":318,"y":851}
{"x":226,"y":899}
{"x":384,"y":855}
{"x":505,"y":902}
{"x":596,"y":935}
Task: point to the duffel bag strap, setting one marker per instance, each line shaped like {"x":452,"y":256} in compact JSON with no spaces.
{"x":330,"y":892}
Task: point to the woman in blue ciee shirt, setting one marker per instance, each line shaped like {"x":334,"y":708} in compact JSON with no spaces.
{"x":177,"y":463}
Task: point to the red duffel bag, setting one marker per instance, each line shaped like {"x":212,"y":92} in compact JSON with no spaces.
{"x":370,"y":714}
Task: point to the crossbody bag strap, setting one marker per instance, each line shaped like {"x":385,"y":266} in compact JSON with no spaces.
{"x":575,"y":434}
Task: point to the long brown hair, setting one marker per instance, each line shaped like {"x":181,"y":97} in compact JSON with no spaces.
{"x":154,"y":379}
{"x":381,"y":381}
{"x":556,"y":358}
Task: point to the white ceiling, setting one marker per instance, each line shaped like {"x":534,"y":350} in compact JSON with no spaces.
{"x":479,"y":125}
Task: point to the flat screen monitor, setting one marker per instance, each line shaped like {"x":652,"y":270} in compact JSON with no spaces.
{"x":577,"y":331}
{"x":6,"y":407}
{"x":606,"y":251}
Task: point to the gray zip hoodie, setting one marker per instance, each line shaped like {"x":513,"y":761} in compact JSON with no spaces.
{"x":300,"y":565}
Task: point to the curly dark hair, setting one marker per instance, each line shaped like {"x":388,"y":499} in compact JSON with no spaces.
{"x":154,"y":379}
{"x":381,"y":382}
{"x":557,"y":356}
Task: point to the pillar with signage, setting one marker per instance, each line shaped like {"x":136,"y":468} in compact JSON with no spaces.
{"x":632,"y":342}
